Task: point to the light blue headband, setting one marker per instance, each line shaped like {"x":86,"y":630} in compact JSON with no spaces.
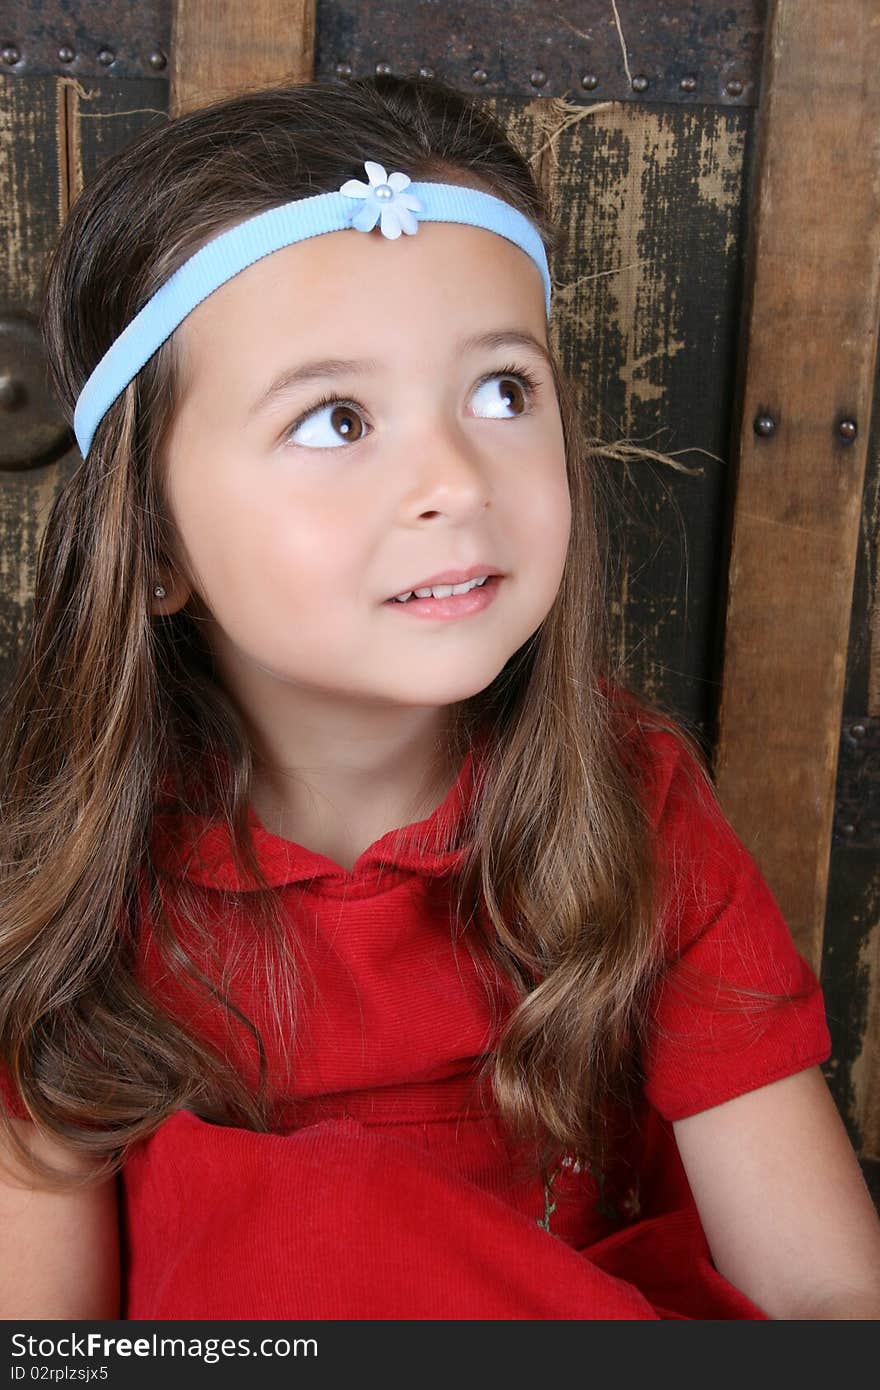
{"x":233,"y":251}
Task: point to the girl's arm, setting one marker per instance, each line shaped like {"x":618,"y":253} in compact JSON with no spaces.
{"x":782,"y":1200}
{"x":59,"y":1252}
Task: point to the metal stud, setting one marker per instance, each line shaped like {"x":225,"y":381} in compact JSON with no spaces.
{"x":66,"y":54}
{"x":383,"y":69}
{"x":12,"y":391}
{"x":538,"y":77}
{"x":480,"y":76}
{"x":426,"y":72}
{"x":764,"y":424}
{"x":106,"y":56}
{"x":687,"y":84}
{"x":589,"y":81}
{"x":847,"y":429}
{"x":639,"y":83}
{"x":734,"y":87}
{"x":9,"y":53}
{"x":343,"y":69}
{"x":33,"y":428}
{"x":157,"y":60}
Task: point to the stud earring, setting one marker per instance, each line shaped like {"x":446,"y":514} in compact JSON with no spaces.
{"x":159,"y":591}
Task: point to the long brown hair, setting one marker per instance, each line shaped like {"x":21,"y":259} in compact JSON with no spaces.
{"x":109,"y":703}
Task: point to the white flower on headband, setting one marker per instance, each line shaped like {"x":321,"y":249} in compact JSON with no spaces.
{"x":384,"y":197}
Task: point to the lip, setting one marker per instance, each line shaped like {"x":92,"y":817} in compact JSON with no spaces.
{"x":450,"y":577}
{"x":454,"y":607}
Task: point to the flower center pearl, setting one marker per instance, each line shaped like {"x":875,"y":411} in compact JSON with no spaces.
{"x":383,"y":191}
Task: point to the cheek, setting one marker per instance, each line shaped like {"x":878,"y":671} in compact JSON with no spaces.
{"x":558,"y":537}
{"x":263,"y":541}
{"x":544,"y":514}
{"x":550,"y":534}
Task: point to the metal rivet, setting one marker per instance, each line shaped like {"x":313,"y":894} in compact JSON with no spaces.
{"x":538,"y":77}
{"x":848,"y":830}
{"x":66,"y":54}
{"x":589,"y":80}
{"x":734,"y":87}
{"x":639,"y":83}
{"x":36,"y":430}
{"x":858,"y":731}
{"x":343,"y":69}
{"x":12,"y":392}
{"x":106,"y":56}
{"x":764,"y":424}
{"x":426,"y":72}
{"x":9,"y":53}
{"x":383,"y":69}
{"x":480,"y":75}
{"x":157,"y":59}
{"x":847,"y":429}
{"x":687,"y":84}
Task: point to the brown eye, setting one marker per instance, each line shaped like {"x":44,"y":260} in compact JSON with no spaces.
{"x":347,"y":422}
{"x":513,"y":393}
{"x":327,"y":425}
{"x":506,"y":391}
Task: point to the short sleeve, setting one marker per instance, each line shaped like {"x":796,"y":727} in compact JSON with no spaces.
{"x":709,"y":1036}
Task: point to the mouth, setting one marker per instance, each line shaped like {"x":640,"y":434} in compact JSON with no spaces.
{"x":454,"y":605}
{"x":449,"y":579}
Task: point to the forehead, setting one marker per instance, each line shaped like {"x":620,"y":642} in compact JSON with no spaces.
{"x":349,"y":290}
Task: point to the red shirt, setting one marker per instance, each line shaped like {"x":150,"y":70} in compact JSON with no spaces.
{"x":387,"y":1188}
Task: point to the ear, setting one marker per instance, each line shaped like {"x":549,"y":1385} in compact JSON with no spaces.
{"x":177,"y":592}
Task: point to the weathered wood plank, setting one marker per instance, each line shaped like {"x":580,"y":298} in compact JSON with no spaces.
{"x":811,"y":341}
{"x":54,"y":133}
{"x":215,"y":52}
{"x":645,"y":316}
{"x":32,"y":203}
{"x":107,"y":116}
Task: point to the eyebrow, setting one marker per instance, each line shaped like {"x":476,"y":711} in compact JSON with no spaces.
{"x":342,"y":366}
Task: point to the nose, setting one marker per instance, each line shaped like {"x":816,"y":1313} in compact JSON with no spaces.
{"x":451,"y":475}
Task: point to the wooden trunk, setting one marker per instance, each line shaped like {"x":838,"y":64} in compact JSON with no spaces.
{"x":716,"y":167}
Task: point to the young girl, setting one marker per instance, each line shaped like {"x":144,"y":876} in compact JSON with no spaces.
{"x":366,"y":950}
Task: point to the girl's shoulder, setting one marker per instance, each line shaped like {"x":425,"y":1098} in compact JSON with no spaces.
{"x":663,"y":756}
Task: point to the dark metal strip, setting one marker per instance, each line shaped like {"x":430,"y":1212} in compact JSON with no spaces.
{"x":857,"y":800}
{"x":85,"y":38}
{"x":675,"y":51}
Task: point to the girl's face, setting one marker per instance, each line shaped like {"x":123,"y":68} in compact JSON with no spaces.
{"x":298,"y":522}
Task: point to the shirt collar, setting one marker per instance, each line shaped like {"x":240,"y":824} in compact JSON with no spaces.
{"x":198,"y":848}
